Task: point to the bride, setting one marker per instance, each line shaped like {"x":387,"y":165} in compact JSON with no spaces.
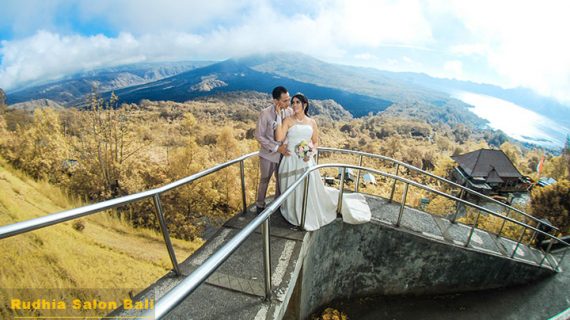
{"x":302,"y":135}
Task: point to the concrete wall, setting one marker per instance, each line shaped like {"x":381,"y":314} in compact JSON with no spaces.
{"x":346,"y":261}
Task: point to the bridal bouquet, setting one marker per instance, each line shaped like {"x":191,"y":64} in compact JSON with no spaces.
{"x":305,"y":150}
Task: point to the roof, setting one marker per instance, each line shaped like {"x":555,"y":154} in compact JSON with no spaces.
{"x":367,"y":177}
{"x":493,"y":165}
{"x":545,"y":181}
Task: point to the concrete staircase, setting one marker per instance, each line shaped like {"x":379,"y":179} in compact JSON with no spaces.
{"x":423,"y":255}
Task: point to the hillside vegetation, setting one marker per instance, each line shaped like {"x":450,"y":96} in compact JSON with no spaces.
{"x":99,"y":251}
{"x":110,"y":150}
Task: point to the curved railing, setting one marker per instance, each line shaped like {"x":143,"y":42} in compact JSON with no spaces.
{"x":173,"y":297}
{"x":397,"y":164}
{"x":176,"y":295}
{"x":41,"y":222}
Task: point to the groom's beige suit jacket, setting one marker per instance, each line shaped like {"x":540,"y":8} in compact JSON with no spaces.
{"x":265,"y":133}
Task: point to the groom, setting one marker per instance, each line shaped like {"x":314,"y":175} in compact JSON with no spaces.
{"x":271,"y":151}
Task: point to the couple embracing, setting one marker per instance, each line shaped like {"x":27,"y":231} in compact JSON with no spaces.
{"x":288,"y":139}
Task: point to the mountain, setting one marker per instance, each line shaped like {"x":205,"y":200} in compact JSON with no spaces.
{"x":358,"y":90}
{"x":33,"y":104}
{"x":365,"y":81}
{"x":69,"y":90}
{"x":235,"y":75}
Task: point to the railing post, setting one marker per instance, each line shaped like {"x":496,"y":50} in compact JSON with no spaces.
{"x":473,"y":228}
{"x":341,"y":191}
{"x":165,"y":234}
{"x":305,"y":197}
{"x":458,"y":206}
{"x":547,"y":251}
{"x":403,"y":204}
{"x":358,"y":176}
{"x":504,"y":221}
{"x":560,"y":261}
{"x":518,"y":242}
{"x":394,"y":185}
{"x":266,"y":258}
{"x":317,"y":157}
{"x":534,"y":233}
{"x":242,"y":174}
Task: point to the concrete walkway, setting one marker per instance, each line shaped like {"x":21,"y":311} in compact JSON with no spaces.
{"x":235,"y":290}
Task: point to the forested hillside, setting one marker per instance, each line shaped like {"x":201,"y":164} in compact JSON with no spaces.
{"x":111,"y":150}
{"x":101,"y":251}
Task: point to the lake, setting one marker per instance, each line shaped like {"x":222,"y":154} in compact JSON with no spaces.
{"x":516,"y":121}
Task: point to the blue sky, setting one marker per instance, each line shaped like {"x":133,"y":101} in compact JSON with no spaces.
{"x":508,"y":43}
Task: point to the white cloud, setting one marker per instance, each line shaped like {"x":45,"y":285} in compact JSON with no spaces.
{"x":524,"y":41}
{"x":150,"y":16}
{"x":514,"y":42}
{"x":478,"y":49}
{"x":374,"y":23}
{"x":454,"y":68}
{"x":260,"y":28}
{"x":364,"y":56}
{"x":49,"y":56}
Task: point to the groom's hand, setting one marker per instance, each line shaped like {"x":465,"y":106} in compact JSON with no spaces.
{"x":283,"y":150}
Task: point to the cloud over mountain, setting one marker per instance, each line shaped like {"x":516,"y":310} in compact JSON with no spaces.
{"x":512,"y":43}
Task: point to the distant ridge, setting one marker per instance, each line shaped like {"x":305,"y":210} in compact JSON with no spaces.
{"x":359,"y":90}
{"x":69,"y":90}
{"x":33,"y":104}
{"x":234,"y":75}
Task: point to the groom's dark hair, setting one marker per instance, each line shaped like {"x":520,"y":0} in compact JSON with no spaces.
{"x":278,"y":91}
{"x":303,"y":100}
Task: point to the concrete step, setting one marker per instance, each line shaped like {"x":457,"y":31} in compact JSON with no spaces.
{"x":236,"y":289}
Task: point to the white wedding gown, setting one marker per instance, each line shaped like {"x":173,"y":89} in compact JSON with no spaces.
{"x":322,"y":201}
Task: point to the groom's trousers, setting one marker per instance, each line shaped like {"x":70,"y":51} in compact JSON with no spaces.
{"x":266,"y":170}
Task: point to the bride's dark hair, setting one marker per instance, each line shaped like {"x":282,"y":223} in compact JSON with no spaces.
{"x":303,"y":99}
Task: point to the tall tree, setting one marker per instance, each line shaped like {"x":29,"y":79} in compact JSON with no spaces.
{"x":553,"y":202}
{"x":108,"y":148}
{"x":40,"y":149}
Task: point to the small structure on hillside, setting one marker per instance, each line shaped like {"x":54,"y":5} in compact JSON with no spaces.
{"x":349,"y":175}
{"x":368,"y":178}
{"x":545,"y":181}
{"x":489,"y":172}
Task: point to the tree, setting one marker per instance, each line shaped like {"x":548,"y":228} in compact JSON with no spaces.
{"x":107,"y":149}
{"x":512,"y":152}
{"x":3,"y":105}
{"x":227,"y":148}
{"x":555,"y":167}
{"x":566,"y":153}
{"x":496,"y":138}
{"x":444,"y":167}
{"x":3,"y":132}
{"x":40,"y":149}
{"x":553,"y":202}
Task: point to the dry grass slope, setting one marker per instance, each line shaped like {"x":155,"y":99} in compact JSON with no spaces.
{"x":108,"y":253}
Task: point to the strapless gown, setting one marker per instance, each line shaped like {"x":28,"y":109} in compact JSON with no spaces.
{"x":322,"y":201}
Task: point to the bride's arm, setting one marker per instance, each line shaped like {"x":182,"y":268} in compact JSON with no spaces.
{"x":315,"y":136}
{"x":281,"y":130}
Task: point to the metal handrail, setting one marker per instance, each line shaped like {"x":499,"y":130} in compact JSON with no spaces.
{"x":55,"y":218}
{"x":190,"y":283}
{"x":173,"y":297}
{"x":408,"y":166}
{"x":41,"y":222}
{"x":176,"y":295}
{"x":430,"y":189}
